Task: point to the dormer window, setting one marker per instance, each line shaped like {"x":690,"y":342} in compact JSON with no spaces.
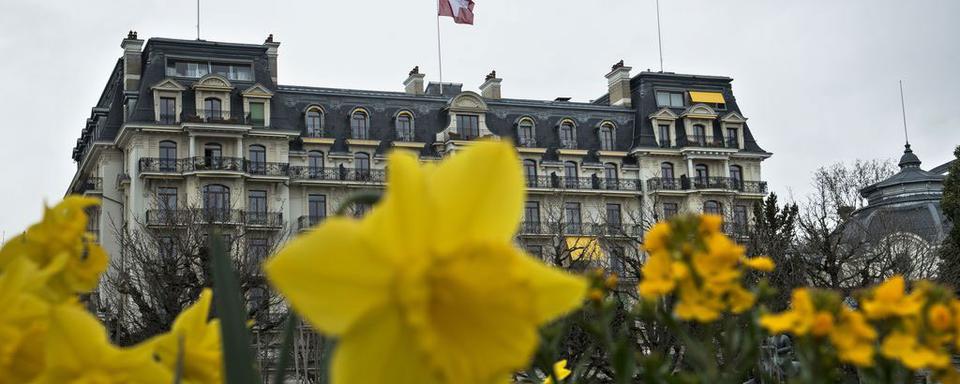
{"x":314,"y":121}
{"x":670,"y":99}
{"x":404,"y":127}
{"x":256,"y":113}
{"x":567,"y":133}
{"x":168,"y":110}
{"x":664,"y":135}
{"x":211,"y":109}
{"x":359,"y":125}
{"x":468,"y":126}
{"x":700,"y":135}
{"x":732,"y":139}
{"x":606,"y":137}
{"x":525,"y":133}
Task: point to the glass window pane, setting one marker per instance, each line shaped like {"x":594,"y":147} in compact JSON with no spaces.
{"x":676,"y":99}
{"x":663,"y":99}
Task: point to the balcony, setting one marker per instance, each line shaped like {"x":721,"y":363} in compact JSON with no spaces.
{"x":581,"y":183}
{"x":705,"y":142}
{"x":167,"y":118}
{"x":363,"y":176}
{"x":306,"y":222}
{"x":703,"y":183}
{"x":266,"y":169}
{"x":262,"y":219}
{"x":182,"y":217}
{"x":580,"y":229}
{"x":89,"y":185}
{"x":217,"y":116}
{"x":164,"y":165}
{"x":316,"y":133}
{"x":219,"y":163}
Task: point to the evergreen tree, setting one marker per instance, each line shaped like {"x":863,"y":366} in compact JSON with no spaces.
{"x":950,"y":249}
{"x":773,"y":235}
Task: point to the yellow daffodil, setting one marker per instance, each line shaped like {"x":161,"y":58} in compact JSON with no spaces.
{"x":200,"y":343}
{"x":60,"y":247}
{"x":23,"y":324}
{"x":691,"y":255}
{"x":853,"y":338}
{"x":939,"y":317}
{"x":797,"y":320}
{"x":429,"y":287}
{"x":903,"y":346}
{"x":77,"y":351}
{"x":559,"y":370}
{"x":889,"y":299}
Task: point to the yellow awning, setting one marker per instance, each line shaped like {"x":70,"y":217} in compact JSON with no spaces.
{"x":584,"y":248}
{"x":706,"y":97}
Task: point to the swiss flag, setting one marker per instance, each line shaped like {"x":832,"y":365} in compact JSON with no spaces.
{"x":460,"y":10}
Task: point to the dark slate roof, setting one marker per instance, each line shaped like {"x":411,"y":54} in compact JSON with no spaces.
{"x":942,"y":169}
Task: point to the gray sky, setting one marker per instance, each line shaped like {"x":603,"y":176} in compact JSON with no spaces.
{"x":816,"y":79}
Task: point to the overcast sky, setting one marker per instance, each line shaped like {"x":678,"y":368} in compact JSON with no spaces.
{"x":816,"y":79}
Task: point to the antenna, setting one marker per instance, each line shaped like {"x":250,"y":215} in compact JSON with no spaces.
{"x":659,"y":38}
{"x":198,"y":19}
{"x":903,"y":109}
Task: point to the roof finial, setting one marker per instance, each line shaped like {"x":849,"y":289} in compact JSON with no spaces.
{"x":415,"y":71}
{"x":269,"y":38}
{"x":619,"y":64}
{"x":492,"y":75}
{"x":903,"y":109}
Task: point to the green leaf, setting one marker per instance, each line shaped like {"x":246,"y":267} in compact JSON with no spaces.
{"x":237,"y":356}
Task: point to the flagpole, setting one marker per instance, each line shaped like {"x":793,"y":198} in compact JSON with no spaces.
{"x":439,"y":52}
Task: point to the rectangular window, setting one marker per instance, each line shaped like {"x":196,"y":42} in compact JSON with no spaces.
{"x":166,"y":247}
{"x":257,"y":207}
{"x":531,"y":217}
{"x":166,"y":204}
{"x":196,"y":69}
{"x":535,"y":250}
{"x":360,"y":209}
{"x":613,"y":215}
{"x":468,"y":126}
{"x":740,"y":218}
{"x":670,"y":210}
{"x":733,"y":138}
{"x":256,"y":114}
{"x":617,"y":261}
{"x":168,"y":110}
{"x":257,"y":249}
{"x":664,"y":136}
{"x":316,"y":208}
{"x":670,"y":99}
{"x":571,"y":211}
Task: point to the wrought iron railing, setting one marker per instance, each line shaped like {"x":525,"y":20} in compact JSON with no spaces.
{"x":89,"y":184}
{"x":164,"y":165}
{"x":266,"y":168}
{"x":317,"y":132}
{"x":366,"y":176}
{"x":166,"y":118}
{"x":700,"y":183}
{"x":305,"y":222}
{"x":262,"y":218}
{"x":582,"y":183}
{"x":171,"y":217}
{"x":583,"y":229}
{"x":216,"y":163}
{"x":211,"y":116}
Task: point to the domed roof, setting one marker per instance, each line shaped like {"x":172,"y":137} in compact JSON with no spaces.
{"x":909,"y":159}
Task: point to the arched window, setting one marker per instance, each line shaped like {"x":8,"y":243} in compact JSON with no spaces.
{"x":212,"y":109}
{"x":216,"y":202}
{"x":257,"y":159}
{"x":610,"y":176}
{"x":404,"y":126}
{"x":570,"y":177}
{"x":359,"y":125}
{"x":361,"y":164}
{"x":702,"y":175}
{"x":736,"y":176}
{"x":530,"y":172}
{"x":314,"y":120}
{"x":712,"y":207}
{"x":606,"y":137}
{"x":168,"y":156}
{"x":525,"y":133}
{"x":567,"y":132}
{"x":700,"y":134}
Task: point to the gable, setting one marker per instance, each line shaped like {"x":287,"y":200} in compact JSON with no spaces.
{"x":664,"y":114}
{"x":168,"y":85}
{"x":257,"y":90}
{"x":214,"y":83}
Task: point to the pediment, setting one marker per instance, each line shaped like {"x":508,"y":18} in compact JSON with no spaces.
{"x":168,"y":85}
{"x":468,"y":100}
{"x":664,"y":114}
{"x":700,"y":110}
{"x":733,"y":117}
{"x":257,"y":90}
{"x":213,"y":83}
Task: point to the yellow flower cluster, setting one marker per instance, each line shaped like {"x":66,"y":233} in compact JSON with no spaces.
{"x":821,"y":315}
{"x":46,"y":336}
{"x":429,"y":287}
{"x":925,"y":322}
{"x":691,"y":257}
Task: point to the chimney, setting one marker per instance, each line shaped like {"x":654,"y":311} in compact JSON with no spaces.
{"x":132,"y":65}
{"x":490,"y":89}
{"x":414,"y":83}
{"x":273,"y":48}
{"x":618,"y":81}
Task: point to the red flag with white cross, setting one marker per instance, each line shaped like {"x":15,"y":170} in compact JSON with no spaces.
{"x":460,"y":10}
